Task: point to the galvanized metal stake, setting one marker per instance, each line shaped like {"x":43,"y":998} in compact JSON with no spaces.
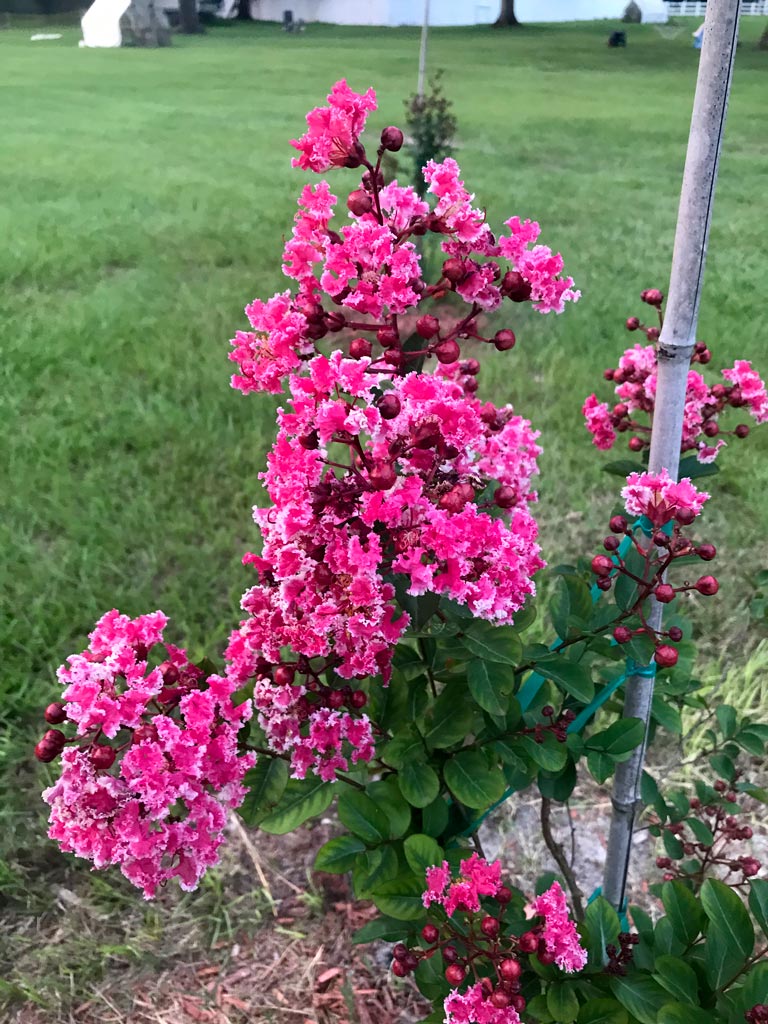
{"x":676,"y":343}
{"x":423,"y":51}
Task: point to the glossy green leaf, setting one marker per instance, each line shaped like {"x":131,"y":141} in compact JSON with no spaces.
{"x":726,"y":718}
{"x":683,"y":911}
{"x":758,"y":903}
{"x":362,"y":816}
{"x":401,"y":898}
{"x":372,"y":869}
{"x":683,"y":1013}
{"x":641,"y":996}
{"x":723,"y":765}
{"x":484,"y":681}
{"x":418,"y":783}
{"x":386,"y":794}
{"x":570,"y":605}
{"x":301,"y":800}
{"x":724,"y":909}
{"x":569,"y":676}
{"x":601,"y":928}
{"x":422,"y":852}
{"x":434,"y":817}
{"x":620,"y":738}
{"x":498,"y":644}
{"x":471,"y":780}
{"x":678,"y":978}
{"x":602,"y":1011}
{"x":338,"y":855}
{"x":702,"y":833}
{"x":450,"y":719}
{"x":265,"y":783}
{"x":550,"y":754}
{"x":386,"y":929}
{"x":562,"y":1003}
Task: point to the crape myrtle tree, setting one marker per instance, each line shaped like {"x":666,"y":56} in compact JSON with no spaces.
{"x":384,"y":659}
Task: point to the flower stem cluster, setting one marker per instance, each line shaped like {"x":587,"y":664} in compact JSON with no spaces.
{"x":668,"y":508}
{"x":716,"y":855}
{"x":636,"y":379}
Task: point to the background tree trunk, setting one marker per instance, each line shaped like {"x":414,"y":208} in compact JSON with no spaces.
{"x":189,"y":23}
{"x":507,"y":16}
{"x":244,"y":10}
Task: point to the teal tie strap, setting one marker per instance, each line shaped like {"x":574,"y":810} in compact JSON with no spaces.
{"x":623,"y":919}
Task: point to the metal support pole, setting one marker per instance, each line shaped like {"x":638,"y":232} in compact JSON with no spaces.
{"x":423,"y":51}
{"x":675,"y":348}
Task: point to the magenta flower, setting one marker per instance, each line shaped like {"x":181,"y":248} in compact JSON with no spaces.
{"x":474,"y":1007}
{"x":598,"y":417}
{"x":657,"y":496}
{"x":477,"y":878}
{"x":333,"y":133}
{"x":751,"y":389}
{"x":560,"y":936}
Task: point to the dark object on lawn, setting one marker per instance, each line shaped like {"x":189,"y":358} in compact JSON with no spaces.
{"x":289,"y":25}
{"x":632,"y":13}
{"x":617,"y":39}
{"x":144,"y":24}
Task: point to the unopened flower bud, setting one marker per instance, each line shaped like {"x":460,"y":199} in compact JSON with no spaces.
{"x":652,"y":296}
{"x":622,"y":635}
{"x":382,"y":476}
{"x":742,"y":430}
{"x":430,"y":933}
{"x":611,"y":542}
{"x":632,"y":323}
{"x":510,"y":970}
{"x":359,"y":202}
{"x":284,"y":675}
{"x":666,"y":656}
{"x":102,"y":756}
{"x":675,"y":633}
{"x":453,"y":269}
{"x":505,"y":496}
{"x":454,"y":975}
{"x":447,"y":351}
{"x":389,"y":406}
{"x":359,"y":348}
{"x":55,"y":713}
{"x":707,"y":585}
{"x":490,"y":927}
{"x":602,"y":565}
{"x":636,"y":444}
{"x":504,"y":340}
{"x":664,"y":593}
{"x":685,"y":515}
{"x":618,"y":524}
{"x":392,"y":139}
{"x":387,"y":336}
{"x":711,"y":428}
{"x":706,"y":552}
{"x":394,"y":357}
{"x":515,"y":287}
{"x":528,"y":942}
{"x":500,"y":999}
{"x":652,"y":333}
{"x":427,"y":326}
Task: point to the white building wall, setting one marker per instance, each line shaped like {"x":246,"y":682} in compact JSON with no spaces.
{"x":586,"y":10}
{"x":444,"y":12}
{"x":338,"y":12}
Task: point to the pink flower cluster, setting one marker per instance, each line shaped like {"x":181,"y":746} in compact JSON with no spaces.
{"x":476,"y":878}
{"x":406,"y":501}
{"x":370,"y":269}
{"x":657,"y":496}
{"x":560,"y":936}
{"x":636,"y":381}
{"x":154,"y":804}
{"x":473,"y":1007}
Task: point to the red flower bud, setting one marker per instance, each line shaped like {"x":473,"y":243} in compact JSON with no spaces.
{"x":652,"y":333}
{"x":358,"y":699}
{"x":102,"y":756}
{"x":675,"y":633}
{"x":395,"y":358}
{"x":382,"y":476}
{"x":454,"y":975}
{"x":490,"y":927}
{"x":602,"y":565}
{"x":55,"y":713}
{"x":742,"y":430}
{"x":387,"y":336}
{"x":505,"y":496}
{"x":399,"y":969}
{"x":453,"y":270}
{"x":666,"y":656}
{"x":504,"y":895}
{"x":652,"y":296}
{"x":510,"y":970}
{"x":636,"y":444}
{"x":500,"y":998}
{"x":427,"y":326}
{"x":389,"y":406}
{"x":284,"y":675}
{"x":632,"y":323}
{"x":504,"y":340}
{"x":430,"y":934}
{"x":528,"y":942}
{"x":392,"y":139}
{"x":515,"y":287}
{"x":664,"y":593}
{"x":359,"y":348}
{"x":618,"y":524}
{"x":707,"y":585}
{"x":447,"y":351}
{"x":706,"y":552}
{"x":685,"y":516}
{"x":622,"y":635}
{"x":359,"y":202}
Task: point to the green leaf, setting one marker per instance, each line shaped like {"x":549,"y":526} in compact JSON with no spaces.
{"x":666,"y":714}
{"x":600,"y":765}
{"x":758,"y":902}
{"x":422,"y":852}
{"x":724,"y":909}
{"x":338,"y":855}
{"x":723,"y":765}
{"x":265,"y":783}
{"x":626,"y":590}
{"x":678,"y":1013}
{"x":537,"y":1009}
{"x":363,"y":817}
{"x":387,"y":929}
{"x":569,"y":675}
{"x":755,"y":987}
{"x":301,"y":800}
{"x":434,"y":817}
{"x":602,"y":1011}
{"x":430,"y":979}
{"x":405,"y":747}
{"x":649,"y":791}
{"x":562,"y":1003}
{"x":683,"y":911}
{"x":499,"y":644}
{"x":471,"y":780}
{"x":702,"y":833}
{"x":678,"y":978}
{"x":484,"y":682}
{"x":450,"y":719}
{"x":386,"y":794}
{"x":641,"y":996}
{"x":572,"y":600}
{"x":550,"y":754}
{"x":694,"y":470}
{"x":601,"y":928}
{"x":722,"y":960}
{"x":418,"y":783}
{"x":622,"y":467}
{"x":401,"y":898}
{"x":558,"y":785}
{"x":726,"y":717}
{"x":620,"y":738}
{"x":673,"y":846}
{"x":372,"y":869}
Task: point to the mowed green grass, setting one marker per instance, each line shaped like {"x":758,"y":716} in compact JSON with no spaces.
{"x":145,"y":195}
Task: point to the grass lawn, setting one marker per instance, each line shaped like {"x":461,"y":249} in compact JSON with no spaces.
{"x":145,"y":195}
